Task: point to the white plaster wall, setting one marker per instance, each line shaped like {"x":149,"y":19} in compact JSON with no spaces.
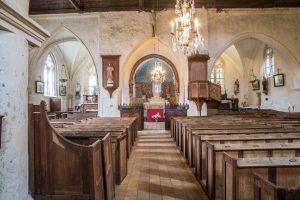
{"x":21,"y":6}
{"x":268,"y":25}
{"x":13,"y":105}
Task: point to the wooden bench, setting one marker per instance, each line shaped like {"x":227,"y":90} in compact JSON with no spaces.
{"x":212,"y":177}
{"x":63,"y":169}
{"x":119,"y":149}
{"x":198,"y":148}
{"x":265,"y":189}
{"x":237,"y":174}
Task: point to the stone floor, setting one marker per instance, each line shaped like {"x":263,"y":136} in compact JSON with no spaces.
{"x":158,"y":171}
{"x":154,"y":125}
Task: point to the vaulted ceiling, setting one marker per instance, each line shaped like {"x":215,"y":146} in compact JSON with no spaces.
{"x":69,"y":6}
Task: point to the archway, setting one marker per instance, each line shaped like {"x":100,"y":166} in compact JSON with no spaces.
{"x":75,"y":81}
{"x":245,"y":61}
{"x":136,"y":87}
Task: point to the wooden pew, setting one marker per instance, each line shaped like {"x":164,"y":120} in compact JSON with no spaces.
{"x":100,"y":130}
{"x":237,"y":174}
{"x":212,"y":180}
{"x":119,"y":148}
{"x":196,"y":147}
{"x":265,"y":189}
{"x":63,"y":169}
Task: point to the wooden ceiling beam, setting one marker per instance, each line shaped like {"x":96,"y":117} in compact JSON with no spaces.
{"x":76,"y":5}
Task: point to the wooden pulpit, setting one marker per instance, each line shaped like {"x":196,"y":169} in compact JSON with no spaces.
{"x":201,"y":90}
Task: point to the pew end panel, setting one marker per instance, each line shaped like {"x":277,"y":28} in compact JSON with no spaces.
{"x":238,"y":174}
{"x":65,"y":170}
{"x":265,"y":189}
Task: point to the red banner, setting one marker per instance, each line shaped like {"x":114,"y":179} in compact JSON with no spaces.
{"x":155,"y":113}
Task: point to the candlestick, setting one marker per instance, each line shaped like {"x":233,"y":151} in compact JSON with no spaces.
{"x":172,"y":25}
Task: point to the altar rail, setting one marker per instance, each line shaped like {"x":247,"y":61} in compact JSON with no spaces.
{"x":174,"y":110}
{"x":133,"y":110}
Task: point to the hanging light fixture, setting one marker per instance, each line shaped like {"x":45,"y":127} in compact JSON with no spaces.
{"x":185,"y":29}
{"x":158,"y":74}
{"x":63,"y":75}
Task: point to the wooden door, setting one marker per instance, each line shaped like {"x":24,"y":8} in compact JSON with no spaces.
{"x":109,"y":184}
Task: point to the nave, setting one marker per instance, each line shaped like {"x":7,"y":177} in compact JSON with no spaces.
{"x":157,"y":171}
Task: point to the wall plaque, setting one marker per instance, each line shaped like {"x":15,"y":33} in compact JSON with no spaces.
{"x":110,"y":73}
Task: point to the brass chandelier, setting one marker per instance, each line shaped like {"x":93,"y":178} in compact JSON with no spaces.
{"x":185,"y":28}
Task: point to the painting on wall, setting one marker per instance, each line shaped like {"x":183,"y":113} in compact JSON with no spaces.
{"x":278,"y":80}
{"x":62,"y":90}
{"x":39,"y":87}
{"x":255,"y":84}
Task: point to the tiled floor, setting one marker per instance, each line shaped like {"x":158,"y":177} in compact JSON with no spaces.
{"x":158,"y":171}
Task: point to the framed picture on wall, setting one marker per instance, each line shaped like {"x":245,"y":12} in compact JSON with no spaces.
{"x":255,"y":84}
{"x":278,"y":80}
{"x":62,"y":90}
{"x":39,"y":87}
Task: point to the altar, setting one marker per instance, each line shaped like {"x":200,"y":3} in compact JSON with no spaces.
{"x":155,"y":109}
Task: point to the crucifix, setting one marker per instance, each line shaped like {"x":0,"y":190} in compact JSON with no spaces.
{"x":154,"y":19}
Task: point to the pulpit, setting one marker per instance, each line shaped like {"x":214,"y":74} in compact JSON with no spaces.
{"x":200,"y":90}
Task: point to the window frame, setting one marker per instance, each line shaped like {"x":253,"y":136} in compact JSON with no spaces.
{"x":92,"y":73}
{"x":215,"y":76}
{"x":268,"y":62}
{"x":54,"y":81}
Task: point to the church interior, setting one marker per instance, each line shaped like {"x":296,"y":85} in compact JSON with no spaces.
{"x":150,"y":100}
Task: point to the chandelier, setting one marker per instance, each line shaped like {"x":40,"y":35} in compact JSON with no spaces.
{"x":185,"y":29}
{"x":158,"y":74}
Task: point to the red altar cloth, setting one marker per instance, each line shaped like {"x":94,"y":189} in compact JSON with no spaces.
{"x":152,"y":111}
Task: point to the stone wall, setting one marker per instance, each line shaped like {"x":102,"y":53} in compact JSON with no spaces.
{"x":13,"y":105}
{"x":129,"y":34}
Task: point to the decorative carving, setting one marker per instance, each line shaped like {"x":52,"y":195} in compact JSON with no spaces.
{"x":110,"y":73}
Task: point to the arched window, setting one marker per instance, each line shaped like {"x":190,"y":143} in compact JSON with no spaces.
{"x":50,"y":77}
{"x":268,"y":67}
{"x":217,"y":76}
{"x":92,"y":81}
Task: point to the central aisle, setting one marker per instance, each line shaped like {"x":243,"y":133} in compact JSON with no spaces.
{"x":158,"y":171}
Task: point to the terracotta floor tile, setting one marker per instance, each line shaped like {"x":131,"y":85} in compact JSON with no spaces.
{"x":157,"y":171}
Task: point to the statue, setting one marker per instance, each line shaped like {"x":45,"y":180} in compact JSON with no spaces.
{"x":109,"y":76}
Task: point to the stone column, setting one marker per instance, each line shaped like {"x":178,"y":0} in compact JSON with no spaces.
{"x":13,"y":105}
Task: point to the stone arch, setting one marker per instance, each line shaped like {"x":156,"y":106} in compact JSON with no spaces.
{"x":51,"y":42}
{"x":145,"y":48}
{"x":275,"y":44}
{"x":169,"y":62}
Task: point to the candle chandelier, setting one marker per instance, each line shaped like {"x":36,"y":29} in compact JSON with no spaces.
{"x":185,"y":29}
{"x":158,"y":74}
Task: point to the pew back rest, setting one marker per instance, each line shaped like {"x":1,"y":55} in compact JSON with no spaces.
{"x":64,"y":168}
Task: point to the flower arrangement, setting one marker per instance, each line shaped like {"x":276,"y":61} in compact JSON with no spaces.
{"x":156,"y":117}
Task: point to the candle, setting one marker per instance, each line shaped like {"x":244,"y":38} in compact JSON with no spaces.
{"x":196,"y":25}
{"x":176,"y":20}
{"x":172,"y":25}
